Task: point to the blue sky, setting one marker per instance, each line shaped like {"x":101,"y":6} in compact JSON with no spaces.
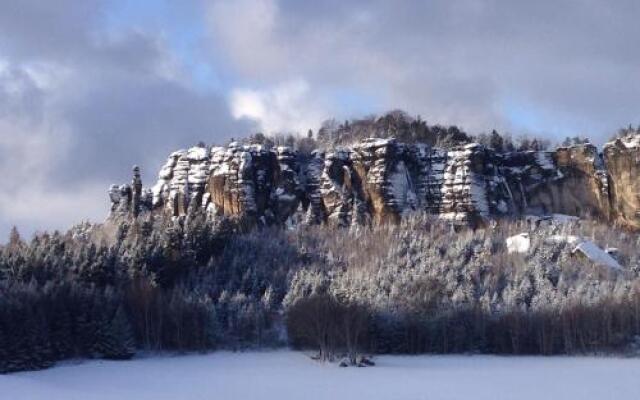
{"x":87,"y":89}
{"x":183,"y":27}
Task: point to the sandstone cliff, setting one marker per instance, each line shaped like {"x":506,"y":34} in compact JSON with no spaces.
{"x":622,"y":157}
{"x":380,"y":180}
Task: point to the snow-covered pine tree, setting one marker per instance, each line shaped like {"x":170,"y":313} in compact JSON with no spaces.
{"x":114,"y":338}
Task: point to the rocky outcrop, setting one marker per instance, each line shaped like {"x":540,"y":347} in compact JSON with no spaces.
{"x":376,"y":180}
{"x":569,"y":180}
{"x":130,"y":199}
{"x":257,"y":184}
{"x":622,"y":158}
{"x":381,"y":180}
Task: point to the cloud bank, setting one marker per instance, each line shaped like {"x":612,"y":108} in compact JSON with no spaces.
{"x":546,"y":67}
{"x":80,"y":104}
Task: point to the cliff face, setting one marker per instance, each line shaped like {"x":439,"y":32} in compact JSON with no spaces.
{"x":622,"y":157}
{"x":569,"y":180}
{"x":380,"y":180}
{"x":249,"y":181}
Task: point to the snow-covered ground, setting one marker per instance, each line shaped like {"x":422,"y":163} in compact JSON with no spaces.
{"x":285,"y":375}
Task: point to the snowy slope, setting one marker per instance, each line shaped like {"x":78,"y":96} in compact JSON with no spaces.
{"x":290,"y":375}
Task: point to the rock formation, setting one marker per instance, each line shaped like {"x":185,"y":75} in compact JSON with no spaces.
{"x":130,"y":199}
{"x":261,"y":185}
{"x":380,"y":180}
{"x":622,"y":158}
{"x":570,"y":180}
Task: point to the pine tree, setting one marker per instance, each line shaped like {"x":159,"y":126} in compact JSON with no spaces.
{"x":85,"y":333}
{"x":4,"y":354}
{"x":496,"y":141}
{"x":211,"y":327}
{"x":15,"y":240}
{"x":61,"y":334}
{"x":39,"y":342}
{"x":29,"y":344}
{"x":115,"y":337}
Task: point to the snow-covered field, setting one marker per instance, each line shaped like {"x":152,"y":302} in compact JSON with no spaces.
{"x":290,"y":375}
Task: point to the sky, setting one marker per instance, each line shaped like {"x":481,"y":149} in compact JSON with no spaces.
{"x":90,"y":88}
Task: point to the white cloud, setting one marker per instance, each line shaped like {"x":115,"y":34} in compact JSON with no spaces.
{"x":80,"y":104}
{"x":33,"y":141}
{"x":30,"y":198}
{"x":32,"y":136}
{"x":35,"y":207}
{"x":378,"y":50}
{"x":459,"y":62}
{"x":290,"y":107}
{"x":248,"y":24}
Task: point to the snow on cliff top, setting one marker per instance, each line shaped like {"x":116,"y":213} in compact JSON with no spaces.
{"x":545,"y":160}
{"x":197,"y":154}
{"x":629,"y":141}
{"x":375,"y":142}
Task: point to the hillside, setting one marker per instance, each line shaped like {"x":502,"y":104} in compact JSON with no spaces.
{"x":368,"y":246}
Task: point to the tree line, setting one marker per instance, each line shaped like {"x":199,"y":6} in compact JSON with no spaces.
{"x":194,"y":284}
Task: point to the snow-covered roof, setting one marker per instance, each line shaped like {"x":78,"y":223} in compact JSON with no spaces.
{"x":596,"y":254}
{"x":588,"y":249}
{"x":520,"y":243}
